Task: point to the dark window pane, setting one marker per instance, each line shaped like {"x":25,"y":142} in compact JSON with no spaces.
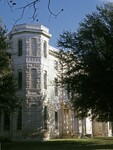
{"x":56,"y":120}
{"x":20,"y":45}
{"x":45,"y":117}
{"x":20,"y":79}
{"x":45,"y":49}
{"x":45,"y":79}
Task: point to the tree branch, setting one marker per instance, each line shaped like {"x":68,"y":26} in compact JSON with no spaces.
{"x":33,"y":4}
{"x":9,"y":3}
{"x":49,"y":2}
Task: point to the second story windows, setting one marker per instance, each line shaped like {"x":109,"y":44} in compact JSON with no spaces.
{"x":45,"y":49}
{"x":20,"y":47}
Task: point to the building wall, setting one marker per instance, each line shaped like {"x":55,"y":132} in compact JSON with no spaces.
{"x":46,"y":111}
{"x":35,"y":99}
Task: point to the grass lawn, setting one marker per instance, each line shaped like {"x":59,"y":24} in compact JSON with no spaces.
{"x":61,"y":144}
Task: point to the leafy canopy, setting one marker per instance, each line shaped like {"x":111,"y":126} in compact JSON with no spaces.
{"x":88,"y":57}
{"x":8,"y":99}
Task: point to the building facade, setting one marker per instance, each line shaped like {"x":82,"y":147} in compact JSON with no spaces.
{"x":45,"y":111}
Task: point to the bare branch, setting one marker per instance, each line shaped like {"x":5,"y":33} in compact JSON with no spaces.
{"x":49,"y":2}
{"x":9,"y":3}
{"x":33,"y":4}
{"x":34,"y":12}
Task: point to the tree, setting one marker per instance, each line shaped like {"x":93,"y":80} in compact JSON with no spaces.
{"x":8,"y":100}
{"x":89,"y":60}
{"x":30,"y":4}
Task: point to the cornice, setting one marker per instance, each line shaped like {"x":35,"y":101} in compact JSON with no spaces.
{"x":40,"y":32}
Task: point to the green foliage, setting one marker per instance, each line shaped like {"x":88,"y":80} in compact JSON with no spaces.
{"x":8,"y":99}
{"x":89,"y":77}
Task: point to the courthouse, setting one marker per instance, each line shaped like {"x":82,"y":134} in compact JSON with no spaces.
{"x":45,"y":110}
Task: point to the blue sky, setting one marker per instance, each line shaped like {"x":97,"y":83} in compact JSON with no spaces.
{"x":74,"y":12}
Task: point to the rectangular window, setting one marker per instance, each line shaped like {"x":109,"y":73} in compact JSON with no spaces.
{"x":33,"y":46}
{"x":19,"y":119}
{"x":33,"y":115}
{"x":45,"y":49}
{"x":45,"y":117}
{"x":33,"y":78}
{"x":20,"y":46}
{"x":20,"y":79}
{"x":6,"y":121}
{"x":56,"y":87}
{"x":56,"y":120}
{"x":45,"y":79}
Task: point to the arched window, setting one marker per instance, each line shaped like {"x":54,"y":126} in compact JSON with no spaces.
{"x":20,"y":47}
{"x":45,"y":49}
{"x":33,"y":78}
{"x":33,"y":47}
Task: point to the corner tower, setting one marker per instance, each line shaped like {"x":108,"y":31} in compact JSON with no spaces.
{"x":30,"y":63}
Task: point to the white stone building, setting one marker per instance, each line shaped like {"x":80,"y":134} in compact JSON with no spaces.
{"x":45,"y":111}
